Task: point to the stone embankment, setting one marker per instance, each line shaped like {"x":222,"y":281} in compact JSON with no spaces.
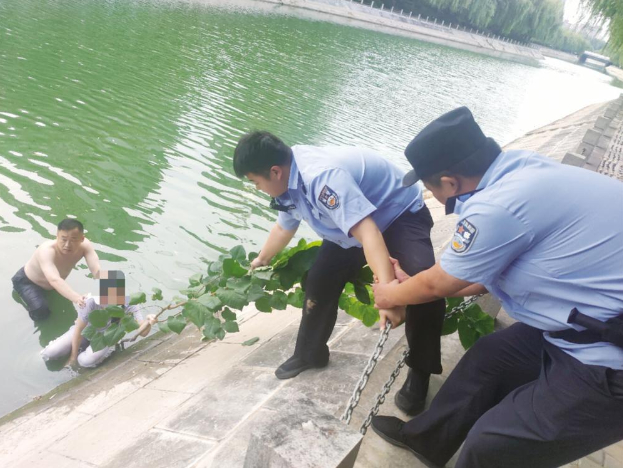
{"x":174,"y":401}
{"x":423,"y":28}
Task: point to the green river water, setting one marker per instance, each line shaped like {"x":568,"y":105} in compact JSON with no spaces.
{"x":124,"y":113}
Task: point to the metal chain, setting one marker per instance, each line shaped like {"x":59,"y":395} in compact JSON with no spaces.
{"x":380,"y":398}
{"x":363,"y":380}
{"x":367,"y":371}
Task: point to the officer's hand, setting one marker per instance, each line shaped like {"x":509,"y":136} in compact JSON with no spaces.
{"x":257,"y":262}
{"x":400,"y":274}
{"x":395,"y":316}
{"x":383,"y":294}
{"x":152,"y":319}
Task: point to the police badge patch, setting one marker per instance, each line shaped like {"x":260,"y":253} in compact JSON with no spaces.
{"x":463,"y":236}
{"x":329,"y":198}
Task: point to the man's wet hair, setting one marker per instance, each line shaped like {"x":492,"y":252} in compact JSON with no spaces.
{"x":116,"y":279}
{"x":69,"y":224}
{"x":258,"y":151}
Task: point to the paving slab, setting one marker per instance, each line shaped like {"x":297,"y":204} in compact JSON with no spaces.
{"x":220,"y":407}
{"x":104,"y":436}
{"x":161,"y":449}
{"x":98,"y":396}
{"x":50,"y":460}
{"x":330,"y":387}
{"x":46,"y":428}
{"x":360,"y":339}
{"x":294,"y":439}
{"x":200,"y":369}
{"x":264,"y":326}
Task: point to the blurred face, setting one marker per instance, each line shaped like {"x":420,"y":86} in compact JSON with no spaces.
{"x":69,"y":241}
{"x":116,"y":296}
{"x":275,"y":185}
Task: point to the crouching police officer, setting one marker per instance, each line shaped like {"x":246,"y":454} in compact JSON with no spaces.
{"x":544,"y":239}
{"x":353,"y":199}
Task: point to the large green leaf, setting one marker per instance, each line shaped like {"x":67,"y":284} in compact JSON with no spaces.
{"x":215,"y":268}
{"x":452,"y":302}
{"x":195,"y":312}
{"x":228,"y":314}
{"x":296,"y":298}
{"x":231,"y":298}
{"x":241,"y":285}
{"x":211,"y":327}
{"x":89,"y":331}
{"x":129,"y":323}
{"x":467,"y":334}
{"x":263,"y":304}
{"x":231,"y":327}
{"x":450,"y":325}
{"x":176,"y":323}
{"x":157,"y":294}
{"x":361,"y":292}
{"x":231,"y":267}
{"x":238,"y":253}
{"x":288,"y":277}
{"x":211,"y":302}
{"x":279,"y":300}
{"x":115,"y":311}
{"x":99,"y":318}
{"x":137,"y":298}
{"x":255,"y":292}
{"x":113,"y":334}
{"x":365,"y":275}
{"x":97,"y":342}
{"x":266,"y":275}
{"x":195,"y":279}
{"x":163,"y":327}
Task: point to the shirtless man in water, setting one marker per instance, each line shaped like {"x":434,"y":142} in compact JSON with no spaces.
{"x":51,"y":264}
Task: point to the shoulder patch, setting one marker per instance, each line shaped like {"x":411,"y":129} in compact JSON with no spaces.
{"x":329,"y":198}
{"x":464,"y":236}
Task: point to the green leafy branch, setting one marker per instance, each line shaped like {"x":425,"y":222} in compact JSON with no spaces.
{"x":228,"y":285}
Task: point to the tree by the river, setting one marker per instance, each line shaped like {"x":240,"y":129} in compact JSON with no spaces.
{"x":539,"y":21}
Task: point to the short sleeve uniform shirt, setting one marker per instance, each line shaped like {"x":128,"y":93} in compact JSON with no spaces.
{"x":544,"y":238}
{"x":334,"y":188}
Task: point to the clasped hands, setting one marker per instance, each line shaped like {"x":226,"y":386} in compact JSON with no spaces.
{"x":383,"y":294}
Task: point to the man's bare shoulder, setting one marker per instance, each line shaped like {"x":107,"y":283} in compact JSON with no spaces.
{"x":46,"y":249}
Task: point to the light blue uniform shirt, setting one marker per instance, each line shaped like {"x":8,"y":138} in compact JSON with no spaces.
{"x":333,"y":188}
{"x":544,"y":238}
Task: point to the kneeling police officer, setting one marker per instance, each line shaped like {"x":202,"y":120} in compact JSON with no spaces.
{"x":546,"y":239}
{"x":354,"y":199}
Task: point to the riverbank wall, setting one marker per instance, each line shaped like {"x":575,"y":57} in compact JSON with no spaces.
{"x":423,"y":28}
{"x":175,"y":401}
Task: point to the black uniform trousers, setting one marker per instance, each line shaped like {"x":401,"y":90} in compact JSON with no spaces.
{"x":518,"y":401}
{"x":408,"y":240}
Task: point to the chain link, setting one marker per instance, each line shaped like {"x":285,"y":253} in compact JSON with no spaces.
{"x":367,"y":371}
{"x":363,"y":380}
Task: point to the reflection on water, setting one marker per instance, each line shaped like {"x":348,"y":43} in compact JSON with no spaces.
{"x":125,"y":113}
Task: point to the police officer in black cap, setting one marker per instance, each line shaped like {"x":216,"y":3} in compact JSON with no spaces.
{"x":547,"y":241}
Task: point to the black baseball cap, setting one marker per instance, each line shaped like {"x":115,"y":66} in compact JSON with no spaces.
{"x":444,"y":142}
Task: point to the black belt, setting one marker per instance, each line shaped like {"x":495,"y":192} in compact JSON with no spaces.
{"x":610,"y":331}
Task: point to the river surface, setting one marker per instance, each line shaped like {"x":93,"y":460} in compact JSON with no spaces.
{"x":124,"y":114}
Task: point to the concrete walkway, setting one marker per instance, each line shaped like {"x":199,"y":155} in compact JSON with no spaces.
{"x":175,"y":401}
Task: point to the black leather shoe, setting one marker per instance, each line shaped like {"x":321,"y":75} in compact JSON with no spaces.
{"x":293,"y":367}
{"x":389,"y":429}
{"x":411,"y":398}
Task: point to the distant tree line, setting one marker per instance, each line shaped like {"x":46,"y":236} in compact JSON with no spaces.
{"x":610,"y":11}
{"x":539,"y":21}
